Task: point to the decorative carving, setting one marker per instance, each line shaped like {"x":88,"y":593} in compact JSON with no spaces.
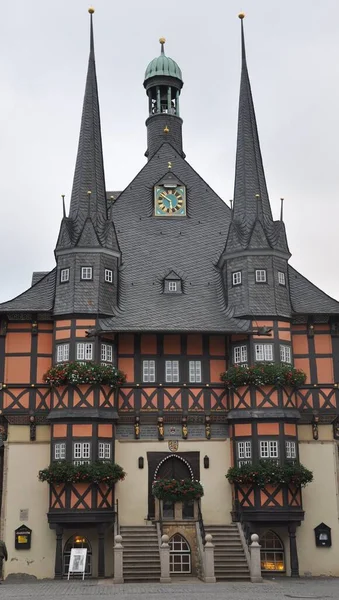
{"x":315,"y":431}
{"x":184,"y":429}
{"x":173,"y":445}
{"x":161,"y":430}
{"x":137,"y":428}
{"x":208,"y":427}
{"x":336,"y":429}
{"x":32,"y":428}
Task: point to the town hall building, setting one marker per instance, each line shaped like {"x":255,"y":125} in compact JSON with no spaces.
{"x":183,"y":299}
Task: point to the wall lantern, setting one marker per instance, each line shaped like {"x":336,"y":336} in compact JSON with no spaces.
{"x":206,"y":462}
{"x":323,"y":536}
{"x":141,"y":462}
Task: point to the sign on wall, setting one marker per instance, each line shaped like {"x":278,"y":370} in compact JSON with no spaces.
{"x":23,"y":538}
{"x":77,"y":563}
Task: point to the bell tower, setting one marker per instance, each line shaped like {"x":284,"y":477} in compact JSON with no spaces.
{"x":163,"y":83}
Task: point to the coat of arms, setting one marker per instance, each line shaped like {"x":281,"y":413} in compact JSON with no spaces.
{"x":173,"y":445}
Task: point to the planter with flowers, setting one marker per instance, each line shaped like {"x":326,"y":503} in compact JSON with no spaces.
{"x":178,"y":493}
{"x":76,"y":373}
{"x":65,"y":472}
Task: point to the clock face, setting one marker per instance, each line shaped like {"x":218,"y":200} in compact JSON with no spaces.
{"x":170,"y":201}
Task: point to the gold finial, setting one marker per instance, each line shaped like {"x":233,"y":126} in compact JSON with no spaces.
{"x":89,"y":193}
{"x":241,"y":15}
{"x":166,"y":129}
{"x":91,"y":10}
{"x":169,"y":165}
{"x":162,"y":40}
{"x":112,"y":197}
{"x":257,"y":195}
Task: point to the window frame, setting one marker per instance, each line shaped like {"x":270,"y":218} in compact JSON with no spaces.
{"x":62,"y":272}
{"x":283,"y":349}
{"x":270,"y":445}
{"x":293,"y":445}
{"x":83,"y":270}
{"x":246,"y":450}
{"x":236,"y":282}
{"x":82,"y":460}
{"x":194,"y":374}
{"x":62,"y":346}
{"x":105,"y":445}
{"x":258,"y":277}
{"x":147,"y":377}
{"x":282,"y":278}
{"x":58,"y":444}
{"x":84,"y":344}
{"x":108,"y":275}
{"x":264,"y":347}
{"x":103,"y":351}
{"x":170,"y":377}
{"x":172,"y":286}
{"x":243,"y":351}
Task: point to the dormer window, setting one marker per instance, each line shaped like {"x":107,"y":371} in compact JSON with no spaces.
{"x":236,"y":278}
{"x":281,"y":278}
{"x":109,"y":275}
{"x":172,"y":284}
{"x":260,"y":276}
{"x":86,"y":273}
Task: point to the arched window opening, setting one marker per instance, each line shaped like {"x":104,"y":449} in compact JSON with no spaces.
{"x":180,"y":554}
{"x":78,"y":541}
{"x":272,"y":552}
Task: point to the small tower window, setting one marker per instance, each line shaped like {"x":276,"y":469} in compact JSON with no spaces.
{"x":81,"y":453}
{"x":60,"y":451}
{"x":291,"y":450}
{"x":269,"y":449}
{"x":104,"y":450}
{"x":236,"y":278}
{"x":263,"y":352}
{"x":106,"y":353}
{"x":172,"y":286}
{"x":86,"y":273}
{"x":244,"y":453}
{"x":109,"y":275}
{"x":281,"y":278}
{"x":64,"y":275}
{"x":240,"y":355}
{"x":260,"y":276}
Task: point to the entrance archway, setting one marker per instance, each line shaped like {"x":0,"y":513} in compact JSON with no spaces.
{"x":77,"y":541}
{"x":171,"y":467}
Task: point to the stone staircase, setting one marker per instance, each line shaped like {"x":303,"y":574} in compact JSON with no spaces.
{"x":141,"y":560}
{"x":229,"y":556}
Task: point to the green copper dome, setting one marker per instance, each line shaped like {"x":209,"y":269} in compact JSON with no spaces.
{"x":163,"y":65}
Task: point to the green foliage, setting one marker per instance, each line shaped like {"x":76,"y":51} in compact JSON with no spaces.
{"x":89,"y":372}
{"x":177,"y":490}
{"x":66,"y":472}
{"x":263,"y":374}
{"x":268,"y":472}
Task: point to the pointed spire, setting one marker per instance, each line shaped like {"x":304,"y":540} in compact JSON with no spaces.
{"x":249,"y":173}
{"x":89,"y":170}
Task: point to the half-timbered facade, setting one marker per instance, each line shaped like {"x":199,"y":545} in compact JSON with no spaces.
{"x":164,"y":281}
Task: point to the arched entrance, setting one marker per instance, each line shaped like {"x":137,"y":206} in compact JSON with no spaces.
{"x":174,"y":467}
{"x":272,"y":553}
{"x":180,"y":555}
{"x":77,"y":541}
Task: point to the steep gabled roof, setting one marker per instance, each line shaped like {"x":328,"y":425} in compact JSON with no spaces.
{"x":38,"y":298}
{"x":307,"y":298}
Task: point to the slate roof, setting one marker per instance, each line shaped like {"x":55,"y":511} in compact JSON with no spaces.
{"x":38,"y":298}
{"x":153,"y":247}
{"x":307,"y":298}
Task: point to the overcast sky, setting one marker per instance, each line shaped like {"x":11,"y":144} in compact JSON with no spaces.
{"x":293,"y":60}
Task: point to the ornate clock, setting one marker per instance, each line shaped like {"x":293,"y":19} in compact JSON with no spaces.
{"x":169,"y":201}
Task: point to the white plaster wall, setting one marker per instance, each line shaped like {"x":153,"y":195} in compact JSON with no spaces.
{"x":132,"y":493}
{"x":23,"y":459}
{"x":320,"y":502}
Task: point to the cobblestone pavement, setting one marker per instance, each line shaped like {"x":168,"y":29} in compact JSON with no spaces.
{"x":306,"y":589}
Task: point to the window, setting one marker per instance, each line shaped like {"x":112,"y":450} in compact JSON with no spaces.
{"x":195,"y":371}
{"x":172,"y":371}
{"x":85,"y":351}
{"x":109,"y":275}
{"x":291,"y":450}
{"x":86,"y":273}
{"x":62,"y":353}
{"x":269,"y":449}
{"x":148,"y":371}
{"x":285,"y":354}
{"x":236,"y":278}
{"x":260,"y":276}
{"x":272,"y":552}
{"x":240,"y":355}
{"x":263,"y":352}
{"x":244,"y":453}
{"x":104,"y":451}
{"x":281,"y":278}
{"x":81,"y":453}
{"x":180,"y":555}
{"x":106,"y":353}
{"x":172,"y":286}
{"x":64,"y":275}
{"x":60,"y":451}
